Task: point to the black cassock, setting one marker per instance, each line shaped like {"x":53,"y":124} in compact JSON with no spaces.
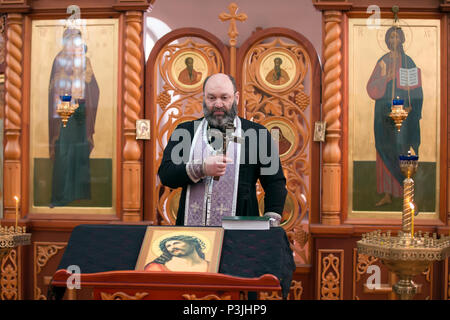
{"x":175,"y":175}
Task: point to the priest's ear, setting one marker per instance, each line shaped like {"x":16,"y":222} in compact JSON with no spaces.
{"x":236,"y":98}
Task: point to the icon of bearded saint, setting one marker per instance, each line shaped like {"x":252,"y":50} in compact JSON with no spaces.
{"x":188,"y":75}
{"x":277,"y":76}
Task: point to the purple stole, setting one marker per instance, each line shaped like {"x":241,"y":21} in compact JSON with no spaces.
{"x":207,"y":201}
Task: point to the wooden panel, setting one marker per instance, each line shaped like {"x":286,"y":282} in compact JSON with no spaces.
{"x":10,"y":288}
{"x":295,"y":293}
{"x":45,"y":252}
{"x":330,"y":274}
{"x":135,"y":285}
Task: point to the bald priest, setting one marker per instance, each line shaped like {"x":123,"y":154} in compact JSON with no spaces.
{"x":216,"y":185}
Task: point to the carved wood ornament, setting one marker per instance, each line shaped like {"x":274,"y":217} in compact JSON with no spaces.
{"x":9,"y":282}
{"x":123,"y":296}
{"x":295,"y":293}
{"x":207,"y":297}
{"x":330,"y":274}
{"x":43,"y":252}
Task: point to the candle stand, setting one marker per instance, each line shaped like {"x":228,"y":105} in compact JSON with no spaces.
{"x":407,"y":254}
{"x":10,"y":238}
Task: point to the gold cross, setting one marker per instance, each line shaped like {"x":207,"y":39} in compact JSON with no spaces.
{"x":232,"y":16}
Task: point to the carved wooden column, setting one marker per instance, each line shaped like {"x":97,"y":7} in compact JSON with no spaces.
{"x":13,"y":111}
{"x":332,"y":170}
{"x":132,"y":166}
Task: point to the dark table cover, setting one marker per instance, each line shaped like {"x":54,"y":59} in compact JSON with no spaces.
{"x":245,"y":253}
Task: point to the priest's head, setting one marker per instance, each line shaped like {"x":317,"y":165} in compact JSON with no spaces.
{"x":220,"y":99}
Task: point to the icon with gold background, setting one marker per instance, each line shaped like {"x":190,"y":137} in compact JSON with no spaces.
{"x":277,"y":70}
{"x":189,"y":68}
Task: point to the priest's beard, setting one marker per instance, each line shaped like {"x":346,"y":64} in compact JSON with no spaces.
{"x":220,"y":122}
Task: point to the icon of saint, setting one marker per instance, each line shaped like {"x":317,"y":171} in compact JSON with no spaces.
{"x":277,"y":76}
{"x":70,"y":147}
{"x":383,"y":86}
{"x":188,"y":75}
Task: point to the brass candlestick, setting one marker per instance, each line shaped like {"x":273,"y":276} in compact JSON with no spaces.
{"x":406,"y":254}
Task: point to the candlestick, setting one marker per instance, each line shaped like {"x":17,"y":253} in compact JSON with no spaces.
{"x":17,"y":211}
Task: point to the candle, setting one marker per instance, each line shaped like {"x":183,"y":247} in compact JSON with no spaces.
{"x":412,"y":219}
{"x":17,"y":211}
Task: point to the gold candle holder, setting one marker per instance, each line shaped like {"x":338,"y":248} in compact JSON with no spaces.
{"x":398,"y":113}
{"x":65,"y":109}
{"x":406,"y":254}
{"x":408,"y":165}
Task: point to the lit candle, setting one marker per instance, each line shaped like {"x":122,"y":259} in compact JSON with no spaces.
{"x":412,"y":219}
{"x":17,"y":211}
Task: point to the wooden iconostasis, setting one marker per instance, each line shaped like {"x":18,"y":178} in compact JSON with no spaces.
{"x":286,"y":82}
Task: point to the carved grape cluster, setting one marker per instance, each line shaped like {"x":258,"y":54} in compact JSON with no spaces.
{"x":302,"y":100}
{"x":163,"y":99}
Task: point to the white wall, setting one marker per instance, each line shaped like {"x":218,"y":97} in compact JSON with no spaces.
{"x":299,"y":15}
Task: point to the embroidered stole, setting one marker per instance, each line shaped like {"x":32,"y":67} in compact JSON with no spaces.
{"x":208,"y":200}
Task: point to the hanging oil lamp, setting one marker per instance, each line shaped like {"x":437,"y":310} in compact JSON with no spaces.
{"x":65,"y":109}
{"x":398,"y":113}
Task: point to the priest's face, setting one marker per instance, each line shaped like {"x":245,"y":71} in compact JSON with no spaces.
{"x":220,"y":101}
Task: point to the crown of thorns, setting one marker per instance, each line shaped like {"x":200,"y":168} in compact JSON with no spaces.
{"x":201,"y":244}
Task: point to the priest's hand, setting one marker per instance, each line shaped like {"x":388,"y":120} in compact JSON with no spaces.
{"x":215,"y":166}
